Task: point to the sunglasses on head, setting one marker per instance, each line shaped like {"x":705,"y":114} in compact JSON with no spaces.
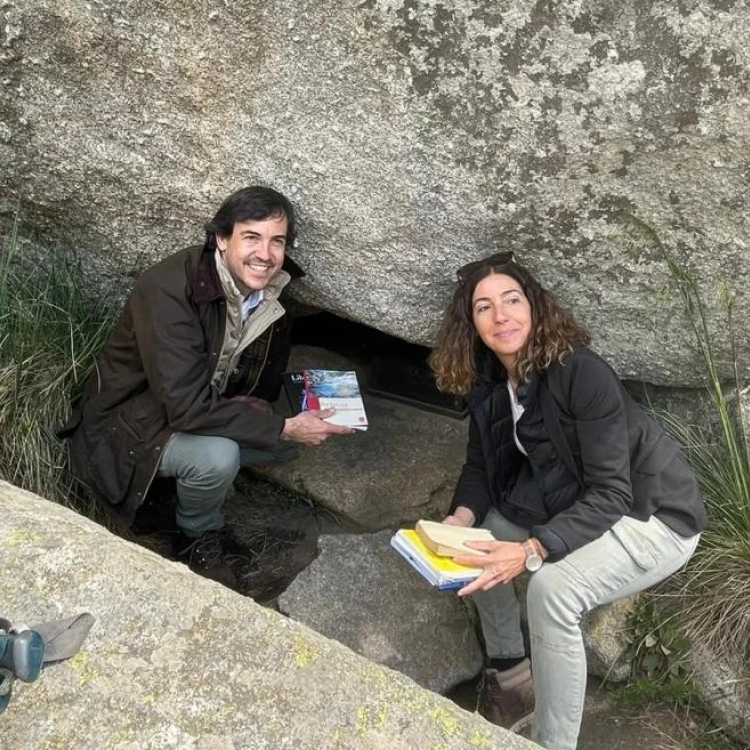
{"x":497,"y":259}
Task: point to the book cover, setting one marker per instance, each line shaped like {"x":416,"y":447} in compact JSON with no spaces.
{"x":441,"y":572}
{"x":294,"y":390}
{"x":339,"y":390}
{"x":447,"y":540}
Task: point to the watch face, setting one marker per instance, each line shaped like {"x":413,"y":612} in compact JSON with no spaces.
{"x":533,"y":563}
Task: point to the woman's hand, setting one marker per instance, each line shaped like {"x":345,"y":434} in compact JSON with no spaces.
{"x":462,"y":516}
{"x":504,"y":561}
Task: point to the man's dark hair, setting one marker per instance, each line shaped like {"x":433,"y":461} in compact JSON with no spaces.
{"x":254,"y":203}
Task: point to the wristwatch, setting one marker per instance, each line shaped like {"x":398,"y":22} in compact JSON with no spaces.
{"x":533,"y":558}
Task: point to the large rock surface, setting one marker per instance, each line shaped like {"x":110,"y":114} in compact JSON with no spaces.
{"x":404,"y":468}
{"x":362,"y":593}
{"x":413,"y":136}
{"x":175,"y":661}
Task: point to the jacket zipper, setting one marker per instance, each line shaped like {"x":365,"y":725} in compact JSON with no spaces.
{"x":156,"y":468}
{"x":265,"y":360}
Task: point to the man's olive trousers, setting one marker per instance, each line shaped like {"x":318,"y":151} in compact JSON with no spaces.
{"x":205,"y":468}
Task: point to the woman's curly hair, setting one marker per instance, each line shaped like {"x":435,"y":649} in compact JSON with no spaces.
{"x":554,"y":331}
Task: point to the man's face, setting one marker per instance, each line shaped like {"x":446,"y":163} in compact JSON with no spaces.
{"x":254,"y":251}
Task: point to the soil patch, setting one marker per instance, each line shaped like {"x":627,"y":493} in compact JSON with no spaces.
{"x":606,"y":724}
{"x":275,"y":532}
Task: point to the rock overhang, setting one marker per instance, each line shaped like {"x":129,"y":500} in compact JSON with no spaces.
{"x":413,"y":137}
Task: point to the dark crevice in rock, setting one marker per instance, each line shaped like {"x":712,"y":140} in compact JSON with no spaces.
{"x":390,"y":367}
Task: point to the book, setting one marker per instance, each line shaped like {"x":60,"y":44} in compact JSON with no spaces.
{"x":441,"y":572}
{"x":294,"y":390}
{"x":339,"y":390}
{"x":447,"y":540}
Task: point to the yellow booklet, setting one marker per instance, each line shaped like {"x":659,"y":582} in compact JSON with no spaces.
{"x":439,"y":571}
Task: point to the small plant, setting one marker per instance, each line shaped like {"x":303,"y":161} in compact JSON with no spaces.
{"x":659,"y":647}
{"x":715,"y":588}
{"x":660,"y":688}
{"x":50,"y":332}
{"x":658,"y":653}
{"x":716,"y":585}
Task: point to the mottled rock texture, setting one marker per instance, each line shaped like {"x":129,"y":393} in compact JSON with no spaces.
{"x":404,"y":468}
{"x":414,"y":136}
{"x":725,"y":688}
{"x":743,"y":399}
{"x":605,"y":639}
{"x":360,"y":592}
{"x":176,"y":661}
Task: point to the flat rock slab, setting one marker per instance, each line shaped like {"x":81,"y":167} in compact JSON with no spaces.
{"x":362,"y":593}
{"x":178,"y":662}
{"x":403,"y":468}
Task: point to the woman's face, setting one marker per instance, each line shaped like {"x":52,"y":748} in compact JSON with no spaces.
{"x":502,"y":316}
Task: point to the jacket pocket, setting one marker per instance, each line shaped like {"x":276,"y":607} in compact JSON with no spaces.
{"x":522,"y":515}
{"x":629,"y":532}
{"x":656,"y":457}
{"x":113,"y":461}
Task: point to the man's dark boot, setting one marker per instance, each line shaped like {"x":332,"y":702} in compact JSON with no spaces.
{"x":507,"y":698}
{"x":204,"y":555}
{"x":157,"y":512}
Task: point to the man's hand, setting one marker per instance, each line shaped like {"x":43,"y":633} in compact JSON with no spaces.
{"x":502,"y":563}
{"x":309,"y":428}
{"x":462,"y":516}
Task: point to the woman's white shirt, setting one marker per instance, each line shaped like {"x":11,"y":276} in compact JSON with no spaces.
{"x":517,"y":410}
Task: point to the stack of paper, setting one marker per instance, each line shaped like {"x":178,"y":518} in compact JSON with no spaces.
{"x":440,"y":572}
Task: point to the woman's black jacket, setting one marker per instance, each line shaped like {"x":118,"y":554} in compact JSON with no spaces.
{"x":627,"y":464}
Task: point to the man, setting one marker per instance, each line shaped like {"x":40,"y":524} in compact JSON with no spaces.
{"x":183,"y":385}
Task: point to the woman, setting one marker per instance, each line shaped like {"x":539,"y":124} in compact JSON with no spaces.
{"x":574,"y":481}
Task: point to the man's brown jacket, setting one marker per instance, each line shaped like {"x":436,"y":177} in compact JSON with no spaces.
{"x":153,"y":379}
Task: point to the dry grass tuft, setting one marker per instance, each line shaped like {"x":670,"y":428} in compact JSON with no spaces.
{"x":50,"y":332}
{"x":716,"y":586}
